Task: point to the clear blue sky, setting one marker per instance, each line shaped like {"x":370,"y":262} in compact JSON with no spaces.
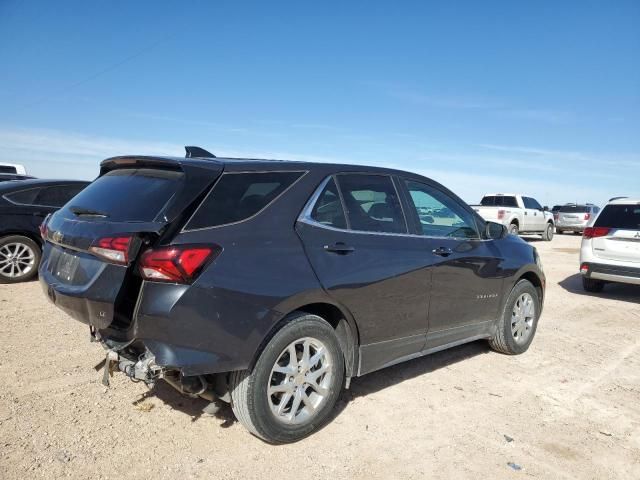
{"x":537,"y":97}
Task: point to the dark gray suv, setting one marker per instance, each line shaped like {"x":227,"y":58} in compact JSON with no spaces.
{"x":270,"y":284}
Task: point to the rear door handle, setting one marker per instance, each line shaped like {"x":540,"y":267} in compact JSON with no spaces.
{"x":339,"y":247}
{"x":442,"y":251}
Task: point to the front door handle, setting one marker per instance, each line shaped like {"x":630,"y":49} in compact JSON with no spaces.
{"x":442,"y":251}
{"x":339,"y":247}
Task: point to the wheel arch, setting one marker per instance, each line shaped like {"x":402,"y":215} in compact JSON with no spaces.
{"x":337,"y":316}
{"x":22,"y":233}
{"x":535,"y":279}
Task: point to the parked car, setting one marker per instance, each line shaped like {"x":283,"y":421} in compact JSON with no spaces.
{"x":23,"y":206}
{"x":521,"y":215}
{"x":574,"y":217}
{"x":610,"y":250}
{"x":270,"y":284}
{"x":5,"y":177}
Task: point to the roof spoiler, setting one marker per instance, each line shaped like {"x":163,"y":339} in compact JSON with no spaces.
{"x":198,"y":152}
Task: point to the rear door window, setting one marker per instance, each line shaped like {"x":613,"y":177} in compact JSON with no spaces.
{"x":238,"y":196}
{"x":372,"y":203}
{"x":499,"y":201}
{"x":130,"y":195}
{"x":328,"y":208}
{"x":626,"y":217}
{"x":23,"y":197}
{"x":57,"y":195}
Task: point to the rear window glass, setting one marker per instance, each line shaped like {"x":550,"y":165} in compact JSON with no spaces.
{"x":8,"y":169}
{"x":574,"y":209}
{"x":499,"y":201}
{"x":129,"y":195}
{"x":238,"y":196}
{"x":620,"y":216}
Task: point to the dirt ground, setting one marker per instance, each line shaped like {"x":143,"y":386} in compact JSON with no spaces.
{"x":568,"y":408}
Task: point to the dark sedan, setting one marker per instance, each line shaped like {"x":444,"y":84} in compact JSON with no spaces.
{"x":24,"y":204}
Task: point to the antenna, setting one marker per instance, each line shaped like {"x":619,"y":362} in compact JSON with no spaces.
{"x":197,"y":152}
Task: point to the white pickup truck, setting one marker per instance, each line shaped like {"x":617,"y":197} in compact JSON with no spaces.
{"x":518,"y":213}
{"x":12,"y":168}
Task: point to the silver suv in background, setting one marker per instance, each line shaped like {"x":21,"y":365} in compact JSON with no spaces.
{"x":610,"y":250}
{"x":574,"y":217}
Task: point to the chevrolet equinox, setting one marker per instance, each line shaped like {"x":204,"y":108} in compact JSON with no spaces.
{"x":271,"y":284}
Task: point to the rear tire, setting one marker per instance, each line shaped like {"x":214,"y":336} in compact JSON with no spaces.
{"x":547,"y":235}
{"x":517,"y":326}
{"x":591,"y":285}
{"x":513,"y":229}
{"x":283,"y":399}
{"x":19,"y":259}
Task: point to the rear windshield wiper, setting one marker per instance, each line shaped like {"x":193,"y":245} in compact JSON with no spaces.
{"x":86,"y":212}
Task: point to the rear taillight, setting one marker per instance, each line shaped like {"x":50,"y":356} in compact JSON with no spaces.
{"x":113,"y":249}
{"x":176,"y":264}
{"x":43,"y":227}
{"x":595,"y":232}
{"x":584,"y":268}
{"x":501,"y":214}
{"x":587,"y":216}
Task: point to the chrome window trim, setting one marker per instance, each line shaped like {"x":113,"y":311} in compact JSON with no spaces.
{"x":184,"y":230}
{"x":305,"y":217}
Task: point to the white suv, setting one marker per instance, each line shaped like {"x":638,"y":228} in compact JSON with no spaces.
{"x":610,"y":249}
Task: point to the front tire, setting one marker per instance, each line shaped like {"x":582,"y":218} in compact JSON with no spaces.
{"x":517,"y":326}
{"x":547,"y":235}
{"x":19,"y":259}
{"x":591,"y":285}
{"x":294,"y":385}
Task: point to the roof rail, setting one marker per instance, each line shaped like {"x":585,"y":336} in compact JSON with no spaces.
{"x":616,"y":198}
{"x":198,"y":152}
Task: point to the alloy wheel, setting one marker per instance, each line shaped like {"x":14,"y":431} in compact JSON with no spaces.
{"x":300,"y":381}
{"x":16,"y":260}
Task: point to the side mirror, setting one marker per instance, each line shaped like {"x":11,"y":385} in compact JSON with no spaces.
{"x":495,"y":231}
{"x":545,"y":208}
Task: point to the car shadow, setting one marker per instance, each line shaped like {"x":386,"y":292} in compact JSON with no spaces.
{"x":193,"y":407}
{"x":613,"y":291}
{"x":360,"y":387}
{"x":396,"y":374}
